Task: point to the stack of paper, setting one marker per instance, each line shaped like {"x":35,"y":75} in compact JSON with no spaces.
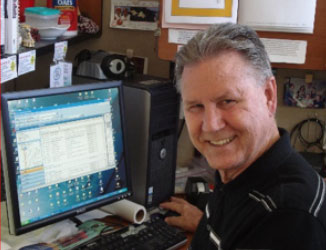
{"x":278,"y":15}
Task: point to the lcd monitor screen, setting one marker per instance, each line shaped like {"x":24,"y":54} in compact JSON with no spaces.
{"x":65,"y":152}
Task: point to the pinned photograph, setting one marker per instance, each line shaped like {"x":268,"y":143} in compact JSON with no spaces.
{"x":140,"y":15}
{"x":301,"y":94}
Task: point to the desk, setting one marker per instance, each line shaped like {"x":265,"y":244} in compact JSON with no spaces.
{"x":12,"y":240}
{"x":26,"y":239}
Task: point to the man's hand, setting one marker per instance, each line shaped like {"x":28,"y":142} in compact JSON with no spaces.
{"x":189,"y":215}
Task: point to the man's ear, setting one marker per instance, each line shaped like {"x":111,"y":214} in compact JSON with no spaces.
{"x":271,"y":94}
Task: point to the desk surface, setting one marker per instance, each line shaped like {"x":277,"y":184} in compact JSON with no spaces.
{"x":27,"y":239}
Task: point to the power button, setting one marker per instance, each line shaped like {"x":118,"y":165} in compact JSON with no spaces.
{"x":163,"y":153}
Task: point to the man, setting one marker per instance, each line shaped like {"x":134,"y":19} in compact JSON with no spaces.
{"x":266,"y":196}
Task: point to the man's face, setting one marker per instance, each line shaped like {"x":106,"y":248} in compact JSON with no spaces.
{"x":229,"y":117}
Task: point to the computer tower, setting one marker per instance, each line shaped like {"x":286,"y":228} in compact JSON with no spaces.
{"x":152,"y":113}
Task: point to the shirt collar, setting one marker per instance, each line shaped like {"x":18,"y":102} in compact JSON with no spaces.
{"x":263,"y":168}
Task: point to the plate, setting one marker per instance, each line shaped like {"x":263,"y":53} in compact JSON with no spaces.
{"x":51,"y":33}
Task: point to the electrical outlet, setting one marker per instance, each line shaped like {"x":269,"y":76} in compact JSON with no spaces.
{"x":141,"y":64}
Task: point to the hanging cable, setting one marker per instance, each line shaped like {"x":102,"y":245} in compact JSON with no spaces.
{"x":306,"y":139}
{"x":302,"y":132}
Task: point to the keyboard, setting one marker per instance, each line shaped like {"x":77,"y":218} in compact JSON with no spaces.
{"x":151,"y":235}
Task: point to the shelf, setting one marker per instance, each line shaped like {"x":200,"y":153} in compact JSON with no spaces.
{"x":91,"y":9}
{"x":43,"y":47}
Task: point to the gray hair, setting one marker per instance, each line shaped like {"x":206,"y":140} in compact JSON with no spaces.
{"x":221,"y":37}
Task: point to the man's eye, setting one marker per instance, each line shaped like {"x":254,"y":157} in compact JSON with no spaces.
{"x":195,"y":107}
{"x":228,"y":102}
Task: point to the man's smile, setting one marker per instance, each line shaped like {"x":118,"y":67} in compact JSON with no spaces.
{"x":221,"y":142}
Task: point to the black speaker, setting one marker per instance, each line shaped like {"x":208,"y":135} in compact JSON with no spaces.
{"x":152,"y":113}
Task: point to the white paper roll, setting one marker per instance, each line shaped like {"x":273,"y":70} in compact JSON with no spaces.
{"x":128,"y":210}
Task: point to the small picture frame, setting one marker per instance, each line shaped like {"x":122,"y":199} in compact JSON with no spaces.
{"x":299,"y":93}
{"x":140,"y":15}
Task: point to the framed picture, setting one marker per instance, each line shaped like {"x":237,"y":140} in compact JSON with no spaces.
{"x":140,"y":15}
{"x":298,"y":93}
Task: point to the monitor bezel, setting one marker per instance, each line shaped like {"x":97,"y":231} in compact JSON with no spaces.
{"x":15,"y":226}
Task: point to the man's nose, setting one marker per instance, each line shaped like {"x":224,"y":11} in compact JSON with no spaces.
{"x":212,"y":120}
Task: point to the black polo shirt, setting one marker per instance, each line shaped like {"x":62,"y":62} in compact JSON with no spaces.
{"x":279,"y":202}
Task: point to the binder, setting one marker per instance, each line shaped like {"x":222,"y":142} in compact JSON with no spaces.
{"x":11,"y":26}
{"x":2,"y":27}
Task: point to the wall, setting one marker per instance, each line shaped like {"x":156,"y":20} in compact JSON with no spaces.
{"x":143,"y":43}
{"x":286,"y":116}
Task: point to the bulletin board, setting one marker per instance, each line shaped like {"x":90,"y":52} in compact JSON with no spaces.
{"x":316,"y":42}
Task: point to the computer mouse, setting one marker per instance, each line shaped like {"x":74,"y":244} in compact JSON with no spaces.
{"x":170,"y":213}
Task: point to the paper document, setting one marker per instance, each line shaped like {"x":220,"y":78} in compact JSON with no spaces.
{"x":199,"y":4}
{"x":26,"y":62}
{"x":137,"y":15}
{"x":8,"y":68}
{"x":285,"y":51}
{"x":190,"y":26}
{"x":278,"y":15}
{"x":199,"y":12}
{"x":91,"y":215}
{"x":181,"y":36}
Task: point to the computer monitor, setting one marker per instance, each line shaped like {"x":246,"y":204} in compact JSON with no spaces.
{"x":63,"y":151}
